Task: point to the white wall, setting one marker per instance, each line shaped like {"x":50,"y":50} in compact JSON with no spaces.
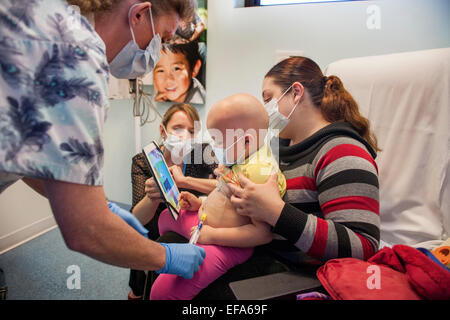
{"x":120,"y":147}
{"x":242,"y":41}
{"x":23,"y":215}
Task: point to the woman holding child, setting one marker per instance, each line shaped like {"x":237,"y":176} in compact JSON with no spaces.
{"x":327,"y":152}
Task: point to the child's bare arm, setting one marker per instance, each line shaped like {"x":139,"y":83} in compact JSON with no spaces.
{"x":250,"y":235}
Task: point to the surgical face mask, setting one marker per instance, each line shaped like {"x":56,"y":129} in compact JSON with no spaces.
{"x":132,"y":62}
{"x":179,"y":148}
{"x":277,"y":121}
{"x":222,"y":154}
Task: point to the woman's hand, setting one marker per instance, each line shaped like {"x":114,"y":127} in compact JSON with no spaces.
{"x":188,"y":201}
{"x":258,"y":201}
{"x":152,"y":191}
{"x":206,"y":234}
{"x":178,"y":176}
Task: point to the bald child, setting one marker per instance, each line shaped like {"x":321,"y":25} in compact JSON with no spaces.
{"x":238,"y":126}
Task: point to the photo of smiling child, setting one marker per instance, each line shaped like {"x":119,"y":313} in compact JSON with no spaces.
{"x":177,"y":76}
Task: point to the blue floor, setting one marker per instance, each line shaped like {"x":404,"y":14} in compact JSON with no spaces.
{"x":37,"y":270}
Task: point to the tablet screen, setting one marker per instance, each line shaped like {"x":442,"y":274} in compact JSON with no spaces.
{"x":162,"y":174}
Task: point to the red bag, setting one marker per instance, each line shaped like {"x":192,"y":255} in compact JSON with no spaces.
{"x":401,"y":273}
{"x":429,"y":280}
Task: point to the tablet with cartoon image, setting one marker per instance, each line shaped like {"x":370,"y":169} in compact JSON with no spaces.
{"x":163,"y":178}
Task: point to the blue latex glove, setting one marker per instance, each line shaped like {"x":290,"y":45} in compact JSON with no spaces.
{"x":129,"y":218}
{"x":182,"y":259}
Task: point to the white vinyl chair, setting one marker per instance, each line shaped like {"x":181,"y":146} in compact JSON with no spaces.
{"x":406,"y":97}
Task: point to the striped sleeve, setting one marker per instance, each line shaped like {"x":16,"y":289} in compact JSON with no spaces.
{"x":346,"y":179}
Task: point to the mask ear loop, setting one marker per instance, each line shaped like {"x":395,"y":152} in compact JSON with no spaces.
{"x":290,"y":114}
{"x":161,"y":139}
{"x":239,"y":159}
{"x":151,"y":20}
{"x":278,"y":100}
{"x":164,"y":128}
{"x":129,"y":22}
{"x":225,"y":150}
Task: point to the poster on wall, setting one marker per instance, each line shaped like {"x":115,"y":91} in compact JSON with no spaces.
{"x":179,"y":76}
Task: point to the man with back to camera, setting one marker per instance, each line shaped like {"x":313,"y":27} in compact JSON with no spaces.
{"x":53,"y":106}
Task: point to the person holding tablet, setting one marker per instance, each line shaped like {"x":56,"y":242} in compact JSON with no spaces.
{"x":194,"y":175}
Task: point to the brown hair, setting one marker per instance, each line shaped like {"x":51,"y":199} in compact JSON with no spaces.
{"x":327,"y":93}
{"x":189,"y":49}
{"x":184,"y":8}
{"x":186,"y":108}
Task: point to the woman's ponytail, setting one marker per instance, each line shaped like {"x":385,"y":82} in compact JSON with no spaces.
{"x":339,"y":105}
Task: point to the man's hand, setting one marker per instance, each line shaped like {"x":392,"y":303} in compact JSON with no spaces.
{"x":129,"y":218}
{"x":88,"y":227}
{"x":182,"y":259}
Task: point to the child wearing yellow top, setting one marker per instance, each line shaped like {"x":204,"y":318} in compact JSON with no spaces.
{"x":259,"y":166}
{"x":227,"y":237}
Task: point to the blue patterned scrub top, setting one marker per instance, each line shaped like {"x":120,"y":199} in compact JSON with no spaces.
{"x":53,"y":94}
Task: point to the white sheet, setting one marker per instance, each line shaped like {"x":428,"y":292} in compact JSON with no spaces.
{"x":406,"y":97}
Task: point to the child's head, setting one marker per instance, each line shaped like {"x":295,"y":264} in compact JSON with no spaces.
{"x":172,"y":77}
{"x":238,"y":125}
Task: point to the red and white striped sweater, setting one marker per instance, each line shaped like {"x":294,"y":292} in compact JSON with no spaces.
{"x":332,"y":198}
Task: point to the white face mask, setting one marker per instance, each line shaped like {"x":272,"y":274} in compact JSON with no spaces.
{"x":132,"y":62}
{"x":277,"y":121}
{"x":179,"y":148}
{"x":222,"y":154}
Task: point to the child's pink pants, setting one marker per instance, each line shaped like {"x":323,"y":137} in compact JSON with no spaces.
{"x":218,"y":260}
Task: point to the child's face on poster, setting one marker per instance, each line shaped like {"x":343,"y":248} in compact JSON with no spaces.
{"x":172,"y":77}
